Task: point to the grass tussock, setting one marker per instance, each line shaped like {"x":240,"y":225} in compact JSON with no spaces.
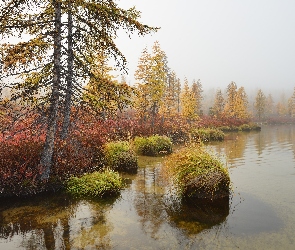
{"x":197,"y":173}
{"x":207,"y":134}
{"x":119,"y":156}
{"x":152,"y":146}
{"x":243,"y":127}
{"x":97,"y":184}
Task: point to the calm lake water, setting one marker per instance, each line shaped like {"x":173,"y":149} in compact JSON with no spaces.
{"x":260,"y":213}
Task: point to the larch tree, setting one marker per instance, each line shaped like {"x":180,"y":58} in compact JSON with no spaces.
{"x":30,"y":60}
{"x":231,"y":92}
{"x":177,"y":94}
{"x":159,"y":74}
{"x":270,"y":105}
{"x":188,"y":103}
{"x":241,"y":104}
{"x":260,"y":104}
{"x":282,"y":106}
{"x":218,"y":105}
{"x":197,"y":89}
{"x":151,"y":76}
{"x":281,"y":109}
{"x":56,"y":56}
{"x":142,"y":76}
{"x":107,"y":96}
{"x":169,"y":107}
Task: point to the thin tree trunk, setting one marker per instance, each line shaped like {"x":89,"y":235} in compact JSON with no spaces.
{"x":46,"y":157}
{"x":69,"y":90}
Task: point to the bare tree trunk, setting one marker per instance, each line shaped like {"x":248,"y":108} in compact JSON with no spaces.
{"x":69,"y":90}
{"x":46,"y":157}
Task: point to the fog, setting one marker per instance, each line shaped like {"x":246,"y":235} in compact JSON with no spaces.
{"x":250,"y":42}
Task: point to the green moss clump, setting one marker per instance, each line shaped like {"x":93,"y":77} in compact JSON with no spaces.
{"x":196,"y":173}
{"x":153,"y":146}
{"x":97,"y":184}
{"x":207,"y":134}
{"x":243,"y":127}
{"x":119,"y":156}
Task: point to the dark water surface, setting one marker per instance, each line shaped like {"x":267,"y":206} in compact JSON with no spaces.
{"x":260,"y":213}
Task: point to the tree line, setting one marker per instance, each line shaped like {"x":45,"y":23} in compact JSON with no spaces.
{"x":160,"y":92}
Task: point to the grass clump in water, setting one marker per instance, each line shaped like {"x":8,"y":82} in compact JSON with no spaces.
{"x":153,"y":146}
{"x":207,"y":134}
{"x":120,"y":156}
{"x":243,"y":127}
{"x":97,"y":184}
{"x":197,"y":173}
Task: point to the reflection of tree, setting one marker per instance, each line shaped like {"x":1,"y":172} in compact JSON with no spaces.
{"x":149,"y":199}
{"x":39,"y":221}
{"x":55,"y":222}
{"x":286,"y":133}
{"x":260,"y":140}
{"x":233,"y":146}
{"x":89,"y":227}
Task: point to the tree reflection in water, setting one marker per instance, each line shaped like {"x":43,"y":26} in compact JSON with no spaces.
{"x":55,"y":222}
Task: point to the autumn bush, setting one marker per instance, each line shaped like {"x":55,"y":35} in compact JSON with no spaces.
{"x":22,"y":142}
{"x":21,"y":147}
{"x":19,"y":164}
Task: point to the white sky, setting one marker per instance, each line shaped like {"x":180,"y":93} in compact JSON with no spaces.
{"x":251,"y":42}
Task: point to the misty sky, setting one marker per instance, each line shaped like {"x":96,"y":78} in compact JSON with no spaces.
{"x":251,"y":42}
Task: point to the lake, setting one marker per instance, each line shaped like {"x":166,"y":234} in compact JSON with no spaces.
{"x":259,"y":214}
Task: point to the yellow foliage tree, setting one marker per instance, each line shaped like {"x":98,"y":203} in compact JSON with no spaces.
{"x":218,"y":105}
{"x":229,"y":108}
{"x":197,"y":89}
{"x":241,"y":104}
{"x":169,"y":105}
{"x":103,"y":92}
{"x":188,"y":103}
{"x":151,"y":76}
{"x":260,"y":104}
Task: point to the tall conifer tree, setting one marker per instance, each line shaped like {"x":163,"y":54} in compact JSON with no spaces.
{"x":92,"y":25}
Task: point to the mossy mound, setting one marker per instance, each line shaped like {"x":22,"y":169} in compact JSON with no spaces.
{"x":207,"y":134}
{"x":120,"y":157}
{"x":153,"y":146}
{"x":97,"y":184}
{"x":243,"y":127}
{"x":198,"y":174}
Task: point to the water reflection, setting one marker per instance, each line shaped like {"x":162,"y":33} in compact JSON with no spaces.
{"x":56,"y":222}
{"x":148,"y":200}
{"x":196,"y":215}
